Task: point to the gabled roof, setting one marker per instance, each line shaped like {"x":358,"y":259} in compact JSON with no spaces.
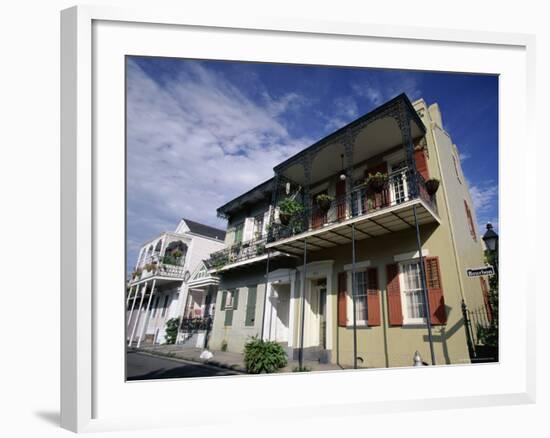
{"x":204,"y":230}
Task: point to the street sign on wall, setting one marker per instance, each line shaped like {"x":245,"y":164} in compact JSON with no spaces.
{"x":478,"y":272}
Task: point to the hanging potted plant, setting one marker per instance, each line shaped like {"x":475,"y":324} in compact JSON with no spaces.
{"x":288,"y":208}
{"x":324,"y":201}
{"x":377,"y":182}
{"x":432,"y":185}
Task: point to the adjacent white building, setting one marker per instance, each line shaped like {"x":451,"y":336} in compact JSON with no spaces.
{"x":158,"y":287}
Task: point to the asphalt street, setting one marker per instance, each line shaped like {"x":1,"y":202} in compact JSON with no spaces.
{"x":145,"y":367}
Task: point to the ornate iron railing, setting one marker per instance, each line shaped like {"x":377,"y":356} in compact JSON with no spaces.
{"x":236,"y":253}
{"x":193,"y":325}
{"x":166,"y":266}
{"x":402,"y":186}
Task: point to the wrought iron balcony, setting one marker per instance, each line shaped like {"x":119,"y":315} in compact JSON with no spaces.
{"x":236,"y":253}
{"x":162,"y":266}
{"x":403,"y":186}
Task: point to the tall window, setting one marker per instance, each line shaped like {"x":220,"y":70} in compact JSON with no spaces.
{"x":455,"y":162}
{"x":414,"y":305}
{"x":470,"y":221}
{"x":361,"y":311}
{"x":239,"y":233}
{"x":258,"y":226}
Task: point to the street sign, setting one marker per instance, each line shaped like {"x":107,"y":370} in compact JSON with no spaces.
{"x":478,"y":272}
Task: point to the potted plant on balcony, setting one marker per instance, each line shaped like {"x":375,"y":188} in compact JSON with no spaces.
{"x":377,"y":182}
{"x":432,"y":185}
{"x":324,"y":201}
{"x":288,"y":208}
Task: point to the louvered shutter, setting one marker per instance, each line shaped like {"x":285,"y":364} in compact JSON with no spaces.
{"x":342,"y":302}
{"x":224,"y":299}
{"x":250,"y":306}
{"x":393,"y":290}
{"x":435,"y":291}
{"x":235,"y":299}
{"x":421,"y":163}
{"x":373,"y":297}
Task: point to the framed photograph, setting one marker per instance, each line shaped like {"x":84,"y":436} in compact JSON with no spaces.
{"x":257,"y":208}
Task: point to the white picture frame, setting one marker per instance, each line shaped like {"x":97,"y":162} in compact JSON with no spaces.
{"x":92,"y":396}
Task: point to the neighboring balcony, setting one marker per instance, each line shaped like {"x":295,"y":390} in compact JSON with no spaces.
{"x":161,"y":267}
{"x":237,"y":255}
{"x":372,"y":214}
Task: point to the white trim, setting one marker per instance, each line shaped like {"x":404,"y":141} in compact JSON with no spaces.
{"x":358,"y":265}
{"x":410,"y":255}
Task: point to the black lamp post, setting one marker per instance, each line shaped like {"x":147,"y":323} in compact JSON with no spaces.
{"x":491,"y":242}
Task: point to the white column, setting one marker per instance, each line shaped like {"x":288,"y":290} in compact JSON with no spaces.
{"x":292,"y":312}
{"x":267,"y":314}
{"x":146,"y":319}
{"x":143,"y":289}
{"x":132,"y":310}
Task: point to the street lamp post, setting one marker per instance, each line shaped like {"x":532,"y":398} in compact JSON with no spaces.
{"x":491,"y":242}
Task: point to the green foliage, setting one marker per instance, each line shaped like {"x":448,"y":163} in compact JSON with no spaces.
{"x":375,"y":183}
{"x":171,"y":330}
{"x":291,"y":207}
{"x":324,"y":198}
{"x":489,"y":335}
{"x":263,"y":356}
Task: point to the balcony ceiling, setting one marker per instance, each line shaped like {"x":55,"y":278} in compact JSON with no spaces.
{"x":374,"y":140}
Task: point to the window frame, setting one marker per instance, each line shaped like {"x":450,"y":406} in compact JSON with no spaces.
{"x":407,"y":319}
{"x":358,"y":322}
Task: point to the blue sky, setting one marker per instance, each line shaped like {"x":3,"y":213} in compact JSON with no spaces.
{"x":202,"y":132}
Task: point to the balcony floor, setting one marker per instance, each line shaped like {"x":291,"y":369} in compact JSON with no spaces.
{"x":378,"y":223}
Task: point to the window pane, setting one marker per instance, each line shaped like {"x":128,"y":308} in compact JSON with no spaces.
{"x":361,"y":296}
{"x":414,"y":296}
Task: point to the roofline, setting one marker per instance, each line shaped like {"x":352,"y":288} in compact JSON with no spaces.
{"x":355,"y":122}
{"x":224,"y":206}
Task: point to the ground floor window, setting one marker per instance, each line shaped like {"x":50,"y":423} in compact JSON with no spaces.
{"x":361,"y":284}
{"x":414,"y":304}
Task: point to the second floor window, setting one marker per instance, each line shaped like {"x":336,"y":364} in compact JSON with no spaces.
{"x":238,"y":233}
{"x":258,"y":226}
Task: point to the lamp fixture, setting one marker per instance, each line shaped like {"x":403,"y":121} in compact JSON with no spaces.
{"x":343,"y":174}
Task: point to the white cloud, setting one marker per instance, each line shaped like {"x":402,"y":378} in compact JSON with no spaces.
{"x":377,"y":91}
{"x":195,"y":142}
{"x":485,"y":199}
{"x":464,"y":156}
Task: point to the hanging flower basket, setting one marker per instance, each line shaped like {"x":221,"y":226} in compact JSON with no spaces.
{"x":324,"y":201}
{"x":284,"y":218}
{"x":431,"y":186}
{"x":377,"y":182}
{"x":288,"y":208}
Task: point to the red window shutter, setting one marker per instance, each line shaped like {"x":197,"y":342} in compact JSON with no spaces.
{"x":373,"y":297}
{"x":421,"y":163}
{"x":435,"y":291}
{"x":485,"y":291}
{"x":395,"y":314}
{"x":342,"y":302}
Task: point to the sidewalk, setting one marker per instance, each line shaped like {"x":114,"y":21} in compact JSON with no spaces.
{"x":225,"y":359}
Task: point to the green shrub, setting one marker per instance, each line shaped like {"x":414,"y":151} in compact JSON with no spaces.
{"x":171,"y":330}
{"x":291,"y":207}
{"x":263,"y":356}
{"x":224,"y":345}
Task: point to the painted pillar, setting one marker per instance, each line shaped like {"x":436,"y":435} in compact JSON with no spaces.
{"x":146,"y":318}
{"x":143,"y":289}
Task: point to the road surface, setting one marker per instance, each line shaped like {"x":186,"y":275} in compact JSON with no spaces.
{"x":145,"y":367}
